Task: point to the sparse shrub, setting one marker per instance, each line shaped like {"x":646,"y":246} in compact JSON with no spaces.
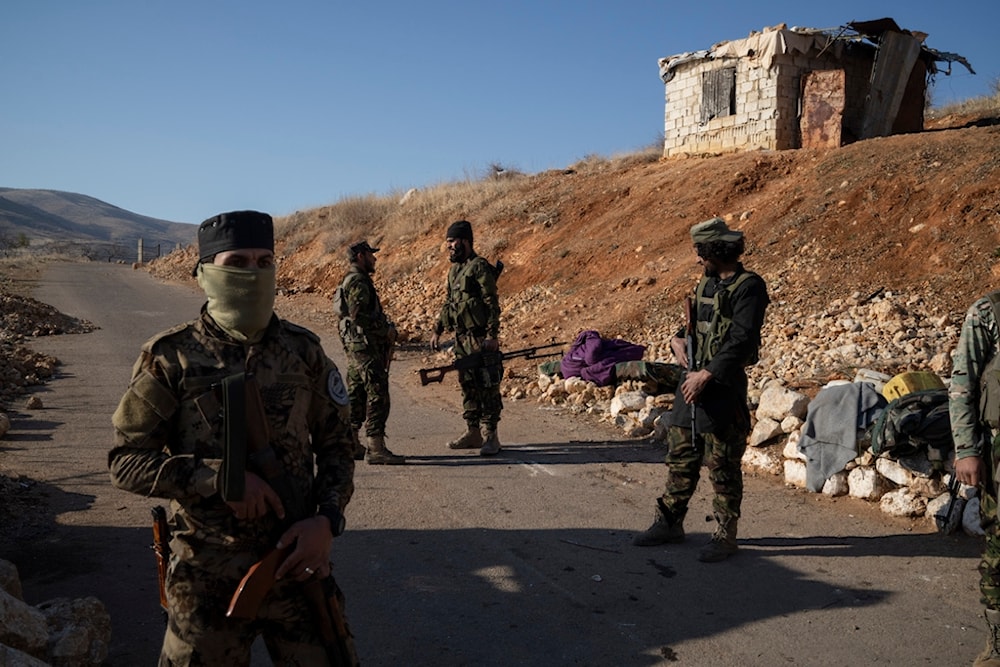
{"x":986,"y":106}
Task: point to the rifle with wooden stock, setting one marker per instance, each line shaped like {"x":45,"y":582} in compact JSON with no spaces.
{"x":242,"y":393}
{"x":161,"y":547}
{"x":321,"y":594}
{"x":481,"y":359}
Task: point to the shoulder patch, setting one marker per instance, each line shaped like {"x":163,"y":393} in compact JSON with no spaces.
{"x":335,"y":387}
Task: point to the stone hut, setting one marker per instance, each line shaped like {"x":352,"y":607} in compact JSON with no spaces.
{"x":787,"y":88}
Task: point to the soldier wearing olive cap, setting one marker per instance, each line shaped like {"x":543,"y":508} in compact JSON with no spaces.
{"x":729,"y":305}
{"x":180,"y":433}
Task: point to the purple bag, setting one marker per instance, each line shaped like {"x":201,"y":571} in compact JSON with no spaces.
{"x":593,"y":358}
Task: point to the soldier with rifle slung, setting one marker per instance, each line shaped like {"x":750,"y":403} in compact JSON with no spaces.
{"x":710,"y":420}
{"x":241,"y":420}
{"x":472,"y":311}
{"x":368,"y":337}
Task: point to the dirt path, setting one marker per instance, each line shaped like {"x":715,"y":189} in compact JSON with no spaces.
{"x":522,"y":559}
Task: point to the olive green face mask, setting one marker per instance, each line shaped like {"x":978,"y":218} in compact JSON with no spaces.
{"x":239,"y":300}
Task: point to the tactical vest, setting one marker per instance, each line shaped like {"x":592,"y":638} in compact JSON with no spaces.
{"x":710,"y":334}
{"x":350,"y":334}
{"x":465,"y":310}
{"x":989,"y":381}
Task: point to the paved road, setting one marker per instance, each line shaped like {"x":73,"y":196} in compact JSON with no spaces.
{"x":520,"y":559}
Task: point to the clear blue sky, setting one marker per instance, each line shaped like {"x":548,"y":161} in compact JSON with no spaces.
{"x":182,"y":109}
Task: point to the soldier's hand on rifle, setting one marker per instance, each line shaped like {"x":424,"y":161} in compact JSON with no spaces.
{"x":969,"y":470}
{"x":258,"y":499}
{"x":311,"y":556}
{"x":435,"y":341}
{"x":679,"y":347}
{"x":694,"y":383}
{"x":490,"y":345}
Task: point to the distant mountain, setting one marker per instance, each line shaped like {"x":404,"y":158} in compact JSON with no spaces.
{"x":52,"y":217}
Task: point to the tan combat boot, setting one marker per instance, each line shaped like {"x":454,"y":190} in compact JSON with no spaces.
{"x":379,"y":454}
{"x":664,"y":530}
{"x":990,"y":657}
{"x":723,"y":542}
{"x":491,"y":443}
{"x":471,"y":439}
{"x":359,"y":449}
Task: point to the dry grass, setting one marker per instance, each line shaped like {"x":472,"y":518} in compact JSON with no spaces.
{"x":985,"y":106}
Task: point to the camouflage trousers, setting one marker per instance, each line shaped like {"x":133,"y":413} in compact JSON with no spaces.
{"x":368,"y":390}
{"x":199,"y":633}
{"x":481,"y":402}
{"x":721,"y":453}
{"x":989,"y":565}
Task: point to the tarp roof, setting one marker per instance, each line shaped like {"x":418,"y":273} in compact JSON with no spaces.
{"x":780,"y":39}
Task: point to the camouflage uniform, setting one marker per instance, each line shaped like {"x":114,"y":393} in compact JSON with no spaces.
{"x":365,"y":333}
{"x":472,"y":311}
{"x":722,"y":415}
{"x":169,"y":435}
{"x":978,"y":342}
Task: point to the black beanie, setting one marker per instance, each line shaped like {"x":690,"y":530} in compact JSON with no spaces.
{"x":460,"y":230}
{"x":235,"y":230}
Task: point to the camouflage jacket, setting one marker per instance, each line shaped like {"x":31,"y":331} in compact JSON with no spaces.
{"x":365,"y":326}
{"x":978,"y":342}
{"x":169,"y":429}
{"x":472,"y":305}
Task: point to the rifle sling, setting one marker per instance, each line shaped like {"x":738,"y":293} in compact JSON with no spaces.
{"x":233,"y":472}
{"x":248,"y":442}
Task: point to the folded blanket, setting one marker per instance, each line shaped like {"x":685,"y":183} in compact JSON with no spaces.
{"x":830,"y":434}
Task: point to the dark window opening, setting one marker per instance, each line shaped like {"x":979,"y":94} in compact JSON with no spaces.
{"x":718,"y":93}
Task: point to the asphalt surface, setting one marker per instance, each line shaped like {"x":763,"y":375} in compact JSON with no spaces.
{"x":520,"y":559}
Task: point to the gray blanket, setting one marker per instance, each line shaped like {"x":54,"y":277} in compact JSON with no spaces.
{"x":829,"y":438}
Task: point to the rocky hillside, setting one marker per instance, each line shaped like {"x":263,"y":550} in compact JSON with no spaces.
{"x":871,"y":251}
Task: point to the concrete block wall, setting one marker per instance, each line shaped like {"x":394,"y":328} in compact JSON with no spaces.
{"x":767,"y":104}
{"x":751,"y":126}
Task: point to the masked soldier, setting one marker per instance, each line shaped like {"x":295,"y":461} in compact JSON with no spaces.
{"x":729,"y":306}
{"x":368,"y":337}
{"x":472,"y":311}
{"x":241,"y":420}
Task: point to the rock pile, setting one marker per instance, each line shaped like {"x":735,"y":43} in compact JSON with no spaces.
{"x":888,"y":332}
{"x":21,"y":317}
{"x":62,"y":632}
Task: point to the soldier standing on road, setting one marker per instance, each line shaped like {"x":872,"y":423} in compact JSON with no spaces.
{"x":974,"y":410}
{"x":368,"y":337}
{"x":472,"y":311}
{"x":181,"y":432}
{"x":729,"y":311}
